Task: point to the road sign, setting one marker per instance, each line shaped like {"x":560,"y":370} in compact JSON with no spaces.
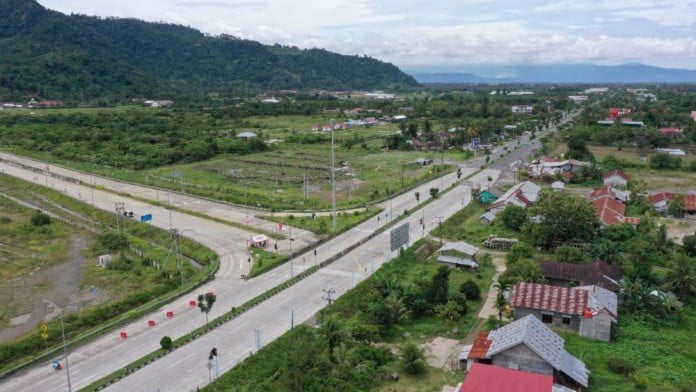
{"x":44,"y":327}
{"x":44,"y":336}
{"x":475,"y":143}
{"x":146,"y":218}
{"x":399,"y":237}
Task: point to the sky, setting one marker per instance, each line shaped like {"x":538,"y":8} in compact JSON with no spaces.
{"x":418,"y":33}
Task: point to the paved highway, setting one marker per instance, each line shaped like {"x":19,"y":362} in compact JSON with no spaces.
{"x":234,"y":339}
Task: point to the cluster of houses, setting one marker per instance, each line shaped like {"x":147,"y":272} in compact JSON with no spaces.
{"x":527,"y":355}
{"x":31,"y":104}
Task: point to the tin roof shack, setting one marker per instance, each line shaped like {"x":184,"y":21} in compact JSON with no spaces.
{"x":459,"y":254}
{"x":589,"y":310}
{"x":596,"y":273}
{"x":529,"y":345}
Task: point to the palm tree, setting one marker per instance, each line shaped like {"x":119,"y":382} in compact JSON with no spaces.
{"x":332,"y":331}
{"x":397,"y":309}
{"x":634,"y":292}
{"x":682,"y":278}
{"x":500,"y":300}
{"x":412,"y":358}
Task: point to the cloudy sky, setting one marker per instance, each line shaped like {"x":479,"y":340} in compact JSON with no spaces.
{"x":440,"y":32}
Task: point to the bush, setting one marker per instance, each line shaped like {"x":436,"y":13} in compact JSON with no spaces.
{"x":40,"y":219}
{"x":620,"y":366}
{"x":166,"y":343}
{"x":113,"y":241}
{"x":471,"y":290}
{"x":513,"y":217}
{"x":568,"y":254}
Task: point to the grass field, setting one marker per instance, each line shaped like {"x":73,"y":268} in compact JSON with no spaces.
{"x":663,"y":353}
{"x":276,"y":179}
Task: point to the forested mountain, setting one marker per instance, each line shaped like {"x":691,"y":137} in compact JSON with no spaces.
{"x":56,"y":56}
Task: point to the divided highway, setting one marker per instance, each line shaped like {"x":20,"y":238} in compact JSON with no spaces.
{"x":185,"y":368}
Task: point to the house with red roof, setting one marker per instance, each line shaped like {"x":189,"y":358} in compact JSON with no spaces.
{"x":660,"y":201}
{"x":528,"y":345}
{"x":671,"y":132}
{"x":693,"y":115}
{"x":616,"y":178}
{"x":487,"y":378}
{"x":610,"y":208}
{"x":589,"y":310}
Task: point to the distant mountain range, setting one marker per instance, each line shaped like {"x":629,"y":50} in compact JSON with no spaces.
{"x":55,"y":56}
{"x":550,"y":73}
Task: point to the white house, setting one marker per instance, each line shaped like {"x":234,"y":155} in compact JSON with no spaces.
{"x":521,"y":195}
{"x":616,"y":178}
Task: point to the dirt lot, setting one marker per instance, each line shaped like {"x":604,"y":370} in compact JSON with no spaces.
{"x":59,"y":284}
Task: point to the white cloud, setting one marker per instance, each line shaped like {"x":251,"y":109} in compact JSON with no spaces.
{"x":447,"y":31}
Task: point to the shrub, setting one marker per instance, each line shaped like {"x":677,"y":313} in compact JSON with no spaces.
{"x":620,"y":366}
{"x":166,"y":343}
{"x":40,"y":219}
{"x":568,"y":254}
{"x":471,"y":290}
{"x":113,"y":241}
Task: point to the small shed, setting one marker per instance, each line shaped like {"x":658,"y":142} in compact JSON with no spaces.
{"x":487,"y":197}
{"x":259,"y":241}
{"x":458,"y":254}
{"x":558,"y":186}
{"x":487,"y":218}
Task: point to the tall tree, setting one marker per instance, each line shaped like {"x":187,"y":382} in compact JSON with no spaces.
{"x":332,"y":331}
{"x":561,"y":217}
{"x":439,"y":286}
{"x":682,"y":277}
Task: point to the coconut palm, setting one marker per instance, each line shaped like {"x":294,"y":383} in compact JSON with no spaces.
{"x":682,"y":278}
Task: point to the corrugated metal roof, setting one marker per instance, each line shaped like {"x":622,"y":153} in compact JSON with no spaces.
{"x":489,"y":378}
{"x":460,"y":246}
{"x":551,"y":298}
{"x":531,"y":332}
{"x":457,"y":260}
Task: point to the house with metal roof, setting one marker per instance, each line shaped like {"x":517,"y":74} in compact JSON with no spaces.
{"x":589,"y":310}
{"x":521,"y":195}
{"x":530,"y":346}
{"x":459,"y":254}
{"x":596,"y":273}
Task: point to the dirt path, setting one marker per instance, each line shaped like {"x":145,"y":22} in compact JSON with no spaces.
{"x":58,"y":283}
{"x":488,"y":308}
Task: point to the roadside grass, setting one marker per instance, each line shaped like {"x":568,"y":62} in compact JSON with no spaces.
{"x":663,"y":353}
{"x":323,"y":224}
{"x":465,"y":226}
{"x":264,"y":261}
{"x":24,"y":247}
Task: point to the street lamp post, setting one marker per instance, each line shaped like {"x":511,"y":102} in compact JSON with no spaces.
{"x":65,"y":347}
{"x":333,"y":176}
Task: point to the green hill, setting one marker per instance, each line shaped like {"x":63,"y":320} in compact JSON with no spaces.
{"x":56,"y":56}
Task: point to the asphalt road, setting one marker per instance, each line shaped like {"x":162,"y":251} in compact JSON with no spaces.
{"x":110,"y":352}
{"x":186,"y":368}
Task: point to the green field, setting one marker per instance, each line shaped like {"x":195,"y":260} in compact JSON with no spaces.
{"x":662,"y":352}
{"x":276,"y":179}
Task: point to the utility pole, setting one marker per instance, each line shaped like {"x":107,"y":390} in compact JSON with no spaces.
{"x":439,"y":218}
{"x":120,"y":209}
{"x":65,"y":347}
{"x":329,"y":294}
{"x":333,"y":175}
